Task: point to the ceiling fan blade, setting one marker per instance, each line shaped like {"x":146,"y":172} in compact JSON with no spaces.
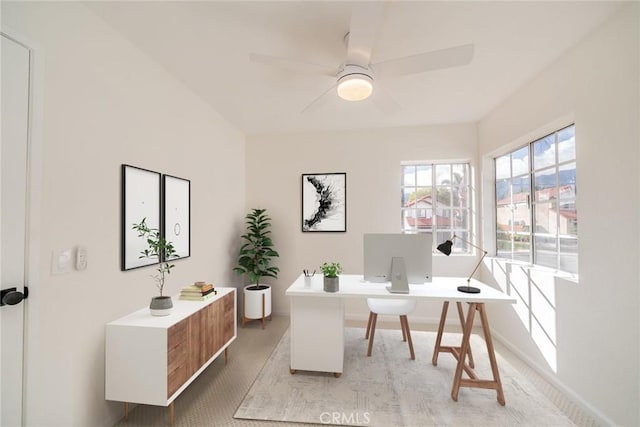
{"x":383,"y":100}
{"x":365,"y":21}
{"x":316,"y":103}
{"x":293,"y":64}
{"x":434,"y":60}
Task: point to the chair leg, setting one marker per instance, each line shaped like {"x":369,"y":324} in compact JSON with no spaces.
{"x":374,"y":318}
{"x":366,"y":336}
{"x":404,"y":323}
{"x":404,"y":334}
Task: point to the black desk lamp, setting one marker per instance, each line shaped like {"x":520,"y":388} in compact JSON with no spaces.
{"x":445,"y":248}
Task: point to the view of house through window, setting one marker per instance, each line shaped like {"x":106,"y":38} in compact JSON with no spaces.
{"x":537,"y":219}
{"x":436,"y":198}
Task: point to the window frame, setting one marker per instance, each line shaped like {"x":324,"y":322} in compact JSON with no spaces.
{"x":440,"y":232}
{"x":533,"y":201}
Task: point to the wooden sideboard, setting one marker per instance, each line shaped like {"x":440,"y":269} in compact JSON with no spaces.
{"x":151,"y":359}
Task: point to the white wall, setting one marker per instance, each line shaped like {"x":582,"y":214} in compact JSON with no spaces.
{"x":371,"y":160}
{"x":588,"y":332}
{"x":103,"y":103}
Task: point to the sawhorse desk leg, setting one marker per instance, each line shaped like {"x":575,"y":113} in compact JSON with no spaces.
{"x":465,"y":349}
{"x":448,"y":349}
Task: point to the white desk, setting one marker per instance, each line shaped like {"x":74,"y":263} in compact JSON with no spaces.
{"x":317,"y":323}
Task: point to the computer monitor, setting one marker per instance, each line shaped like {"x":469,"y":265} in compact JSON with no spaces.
{"x":414,"y":249}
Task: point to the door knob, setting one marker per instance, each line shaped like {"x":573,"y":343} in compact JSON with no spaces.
{"x":11,"y":296}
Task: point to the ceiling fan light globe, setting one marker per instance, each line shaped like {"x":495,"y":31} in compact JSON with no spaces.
{"x":355,"y":87}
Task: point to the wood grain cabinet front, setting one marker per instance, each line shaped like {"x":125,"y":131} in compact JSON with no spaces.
{"x":177,"y":360}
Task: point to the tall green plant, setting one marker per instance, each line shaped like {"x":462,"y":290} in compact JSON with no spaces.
{"x":159,"y":247}
{"x":257,"y":251}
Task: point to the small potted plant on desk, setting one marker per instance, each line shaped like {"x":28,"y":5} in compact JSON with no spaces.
{"x":158,"y":247}
{"x":331,"y":279}
{"x":254,"y":259}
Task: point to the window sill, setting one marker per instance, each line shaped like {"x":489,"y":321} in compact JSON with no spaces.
{"x":558,"y":274}
{"x":456,"y":255}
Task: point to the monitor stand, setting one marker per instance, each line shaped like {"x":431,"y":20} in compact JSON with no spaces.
{"x":399,"y":283}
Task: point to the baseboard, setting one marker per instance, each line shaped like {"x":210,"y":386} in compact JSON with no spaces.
{"x":586,"y":406}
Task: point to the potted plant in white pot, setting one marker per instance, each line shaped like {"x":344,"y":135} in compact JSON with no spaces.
{"x":158,"y":247}
{"x":331,"y":279}
{"x":254,"y":259}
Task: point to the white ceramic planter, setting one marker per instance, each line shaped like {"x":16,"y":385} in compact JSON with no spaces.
{"x":253,"y":302}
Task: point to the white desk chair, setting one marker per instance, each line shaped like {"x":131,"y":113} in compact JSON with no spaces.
{"x":396,"y":307}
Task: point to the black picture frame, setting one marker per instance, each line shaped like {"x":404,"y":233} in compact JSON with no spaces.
{"x":141,"y":193}
{"x":176,"y":214}
{"x":324,"y":202}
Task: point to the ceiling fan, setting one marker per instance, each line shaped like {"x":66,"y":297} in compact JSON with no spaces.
{"x":356,"y":77}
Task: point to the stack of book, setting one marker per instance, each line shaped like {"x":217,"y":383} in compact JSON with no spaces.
{"x":198,"y":292}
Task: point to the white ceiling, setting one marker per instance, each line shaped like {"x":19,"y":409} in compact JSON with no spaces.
{"x":206,"y":45}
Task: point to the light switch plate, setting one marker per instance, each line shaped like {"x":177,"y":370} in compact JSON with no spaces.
{"x":61,"y":261}
{"x":81,"y":258}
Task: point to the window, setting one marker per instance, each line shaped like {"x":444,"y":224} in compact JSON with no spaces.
{"x":536,"y":215}
{"x":436,"y":198}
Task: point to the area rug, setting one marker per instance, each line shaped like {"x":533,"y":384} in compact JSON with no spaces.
{"x":389,"y":389}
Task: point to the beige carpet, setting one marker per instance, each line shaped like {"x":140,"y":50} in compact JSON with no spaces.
{"x":388,"y":389}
